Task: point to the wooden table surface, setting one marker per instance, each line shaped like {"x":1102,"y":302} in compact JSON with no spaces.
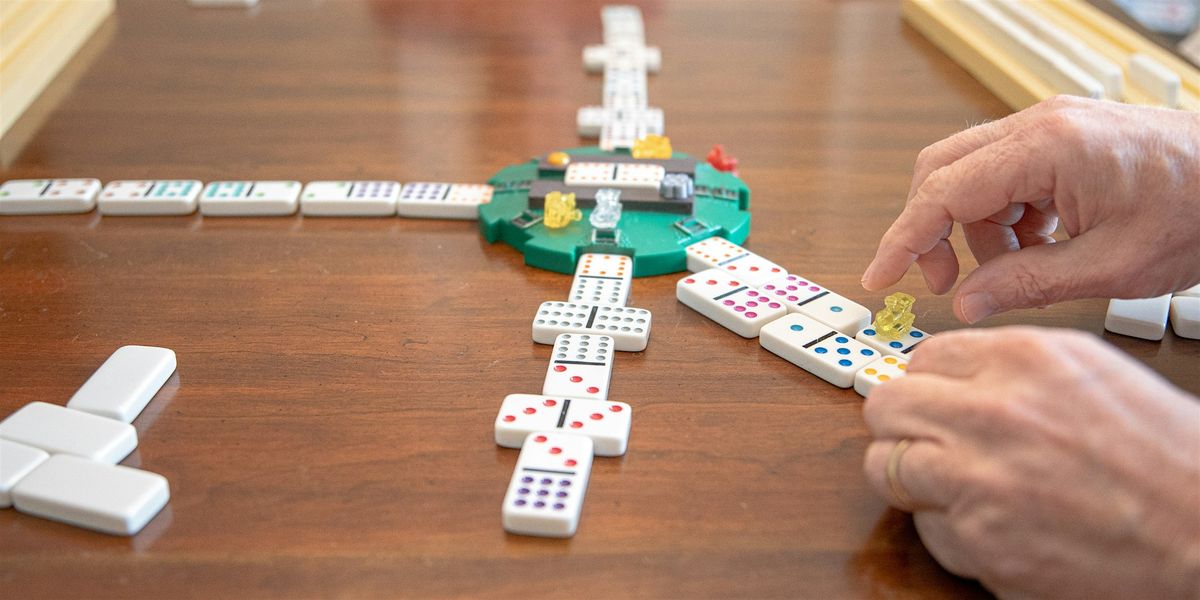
{"x":329,"y":430}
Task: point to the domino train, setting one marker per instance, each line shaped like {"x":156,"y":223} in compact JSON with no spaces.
{"x":60,"y":462}
{"x":793,"y":317}
{"x":244,"y":198}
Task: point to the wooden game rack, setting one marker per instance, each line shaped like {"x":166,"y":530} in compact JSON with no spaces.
{"x":1014,"y":82}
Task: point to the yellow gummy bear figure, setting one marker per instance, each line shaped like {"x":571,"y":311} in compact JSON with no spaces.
{"x":652,"y":146}
{"x":896,"y":318}
{"x":560,"y":210}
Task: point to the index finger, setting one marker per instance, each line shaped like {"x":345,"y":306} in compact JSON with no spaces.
{"x":985,"y":182}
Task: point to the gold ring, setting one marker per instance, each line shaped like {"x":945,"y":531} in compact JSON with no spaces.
{"x":893,"y":476}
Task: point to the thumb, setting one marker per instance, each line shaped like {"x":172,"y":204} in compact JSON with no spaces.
{"x":1033,"y":276}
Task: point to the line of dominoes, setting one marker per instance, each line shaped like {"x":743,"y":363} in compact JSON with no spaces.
{"x":244,"y":198}
{"x":624,"y":115}
{"x":60,"y":462}
{"x":559,"y":430}
{"x":804,"y":323}
{"x":1146,"y":318}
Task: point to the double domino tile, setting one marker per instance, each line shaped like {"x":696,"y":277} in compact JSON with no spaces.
{"x":628,"y":327}
{"x":59,"y":462}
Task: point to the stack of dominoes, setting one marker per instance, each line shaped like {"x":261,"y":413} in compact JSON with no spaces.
{"x":244,"y":198}
{"x":1146,"y":318}
{"x":60,"y":463}
{"x":625,"y":116}
{"x":793,"y":317}
{"x":559,"y":431}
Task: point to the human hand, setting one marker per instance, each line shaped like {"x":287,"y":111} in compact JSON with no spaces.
{"x":1044,"y":463}
{"x":1125,"y":180}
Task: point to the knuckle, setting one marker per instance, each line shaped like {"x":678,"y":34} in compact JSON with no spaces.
{"x":1031,"y":289}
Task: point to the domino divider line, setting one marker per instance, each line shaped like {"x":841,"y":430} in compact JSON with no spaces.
{"x":60,"y":462}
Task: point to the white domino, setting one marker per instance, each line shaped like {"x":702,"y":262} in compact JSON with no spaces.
{"x":48,"y":196}
{"x":882,"y":369}
{"x":803,"y":296}
{"x":720,"y":253}
{"x":349,"y":198}
{"x":639,"y":175}
{"x":1145,"y":318}
{"x":433,"y":200}
{"x":16,"y":461}
{"x":60,"y":430}
{"x":1156,"y":79}
{"x":125,"y":383}
{"x":250,"y":198}
{"x":606,"y":423}
{"x":580,"y":366}
{"x":628,"y":327}
{"x":901,"y":347}
{"x":590,"y":174}
{"x":80,"y":492}
{"x":545,"y":496}
{"x":815,"y":347}
{"x":734,"y":305}
{"x":149,"y":197}
{"x":1185,"y":316}
{"x":602,"y":279}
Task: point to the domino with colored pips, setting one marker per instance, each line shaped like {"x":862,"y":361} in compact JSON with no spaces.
{"x":803,"y":296}
{"x":48,"y":196}
{"x":720,"y":253}
{"x":107,"y":498}
{"x":60,"y":430}
{"x":816,"y":348}
{"x":432,"y":200}
{"x":349,"y":198}
{"x":580,"y":366}
{"x":1144,"y":318}
{"x":149,"y":197}
{"x":125,"y":383}
{"x":545,"y":495}
{"x":731,"y":303}
{"x":16,"y":461}
{"x":250,"y":198}
{"x":901,"y":347}
{"x":606,"y":423}
{"x":882,"y":369}
{"x":602,"y":279}
{"x":628,"y":327}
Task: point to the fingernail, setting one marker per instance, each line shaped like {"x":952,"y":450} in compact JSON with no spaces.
{"x":978,"y":306}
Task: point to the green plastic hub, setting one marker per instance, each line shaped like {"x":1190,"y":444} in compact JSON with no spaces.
{"x":655,"y":240}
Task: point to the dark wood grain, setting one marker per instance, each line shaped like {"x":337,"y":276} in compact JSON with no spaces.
{"x":329,"y":429}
